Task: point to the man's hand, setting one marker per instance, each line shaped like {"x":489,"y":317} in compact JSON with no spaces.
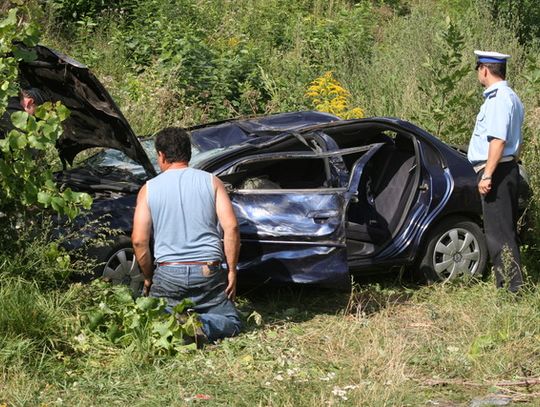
{"x":231,"y":235}
{"x":231,"y":286}
{"x":146,"y":287}
{"x":495,"y":153}
{"x":484,"y":186}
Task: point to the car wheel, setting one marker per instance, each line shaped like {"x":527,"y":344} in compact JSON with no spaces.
{"x":455,"y":250}
{"x":120,"y":266}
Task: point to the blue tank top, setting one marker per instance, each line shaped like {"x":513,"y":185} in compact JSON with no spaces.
{"x":183,"y":208}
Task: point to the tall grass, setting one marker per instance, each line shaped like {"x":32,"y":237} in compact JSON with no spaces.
{"x":36,"y":329}
{"x":380,"y":346}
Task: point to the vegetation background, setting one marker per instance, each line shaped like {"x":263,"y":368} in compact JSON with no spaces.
{"x":182,"y":62}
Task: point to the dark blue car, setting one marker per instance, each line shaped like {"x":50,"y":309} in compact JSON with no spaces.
{"x":317,"y":198}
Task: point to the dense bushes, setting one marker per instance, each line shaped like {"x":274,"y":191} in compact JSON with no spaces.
{"x":198,"y":61}
{"x":521,"y":16}
{"x":26,"y":174}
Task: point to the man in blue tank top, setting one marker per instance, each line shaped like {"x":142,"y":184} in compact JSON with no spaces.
{"x":186,"y":208}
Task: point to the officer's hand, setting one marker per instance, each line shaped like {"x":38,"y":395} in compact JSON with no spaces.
{"x":484,"y":186}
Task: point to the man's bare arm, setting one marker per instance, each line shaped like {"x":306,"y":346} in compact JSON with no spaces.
{"x":231,"y":234}
{"x":140,"y":238}
{"x":495,"y":152}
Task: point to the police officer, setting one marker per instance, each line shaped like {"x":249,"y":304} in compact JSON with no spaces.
{"x":493,"y":151}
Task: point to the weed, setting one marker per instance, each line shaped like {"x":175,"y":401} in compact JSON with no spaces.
{"x":113,"y":315}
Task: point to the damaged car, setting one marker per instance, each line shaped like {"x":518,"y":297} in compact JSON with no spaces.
{"x":317,"y":198}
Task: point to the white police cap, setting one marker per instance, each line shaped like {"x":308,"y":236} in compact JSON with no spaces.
{"x":487,"y":57}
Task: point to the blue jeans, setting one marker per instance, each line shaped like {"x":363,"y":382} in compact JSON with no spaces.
{"x":205,"y":286}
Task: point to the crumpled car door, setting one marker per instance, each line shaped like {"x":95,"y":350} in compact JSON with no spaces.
{"x":292,"y":226}
{"x":291,"y":230}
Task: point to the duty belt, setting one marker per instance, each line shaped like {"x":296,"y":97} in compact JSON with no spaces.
{"x":479,"y":166}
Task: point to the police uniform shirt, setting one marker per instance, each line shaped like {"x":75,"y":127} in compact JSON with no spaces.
{"x":501,"y":117}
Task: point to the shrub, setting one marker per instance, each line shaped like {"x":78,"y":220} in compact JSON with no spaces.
{"x":445,"y":101}
{"x":25,"y":175}
{"x":114,"y":316}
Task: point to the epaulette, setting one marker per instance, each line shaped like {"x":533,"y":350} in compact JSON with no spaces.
{"x":492,"y":94}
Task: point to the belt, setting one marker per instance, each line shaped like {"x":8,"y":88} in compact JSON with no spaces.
{"x":480,"y":165}
{"x":190,"y":263}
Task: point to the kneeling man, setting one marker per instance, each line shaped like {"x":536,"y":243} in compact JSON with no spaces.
{"x":184,"y":207}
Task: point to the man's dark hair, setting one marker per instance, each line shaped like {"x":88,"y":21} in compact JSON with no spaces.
{"x":495,"y":69}
{"x":174,"y":143}
{"x":34,"y":93}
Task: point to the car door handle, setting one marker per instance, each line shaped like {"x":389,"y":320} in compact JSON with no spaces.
{"x":322,"y":216}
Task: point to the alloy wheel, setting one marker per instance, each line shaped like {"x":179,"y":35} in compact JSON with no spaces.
{"x":456,"y":255}
{"x":121,"y":268}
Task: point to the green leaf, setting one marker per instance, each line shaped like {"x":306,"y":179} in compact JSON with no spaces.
{"x":135,"y":322}
{"x":71,"y":212}
{"x":480,"y":344}
{"x":48,"y":130}
{"x":95,"y":319}
{"x":63,"y":112}
{"x":19,"y":119}
{"x":31,"y":124}
{"x":42,"y":111}
{"x":186,"y":303}
{"x":32,"y":37}
{"x":11,"y":18}
{"x":163,"y":343}
{"x":147,"y":303}
{"x":17,"y":141}
{"x":85,"y":200}
{"x":22,"y":141}
{"x":162,"y":328}
{"x":58,"y":203}
{"x":44,"y":198}
{"x":191,"y":346}
{"x":114,"y":333}
{"x":122,"y":295}
{"x":68,"y":195}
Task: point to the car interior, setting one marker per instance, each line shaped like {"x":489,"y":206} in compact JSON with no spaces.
{"x":386,"y":188}
{"x":385,"y":192}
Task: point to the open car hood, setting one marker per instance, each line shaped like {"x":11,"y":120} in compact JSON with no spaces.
{"x":95,"y":120}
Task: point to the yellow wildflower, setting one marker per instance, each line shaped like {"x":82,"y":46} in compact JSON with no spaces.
{"x":326,"y":94}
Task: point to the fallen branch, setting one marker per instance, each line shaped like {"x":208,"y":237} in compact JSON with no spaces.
{"x":525,"y":382}
{"x":444,"y":382}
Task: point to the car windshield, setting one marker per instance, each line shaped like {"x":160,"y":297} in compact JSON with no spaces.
{"x":116,"y":159}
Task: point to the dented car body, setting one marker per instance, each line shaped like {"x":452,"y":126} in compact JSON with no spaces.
{"x":316,"y":197}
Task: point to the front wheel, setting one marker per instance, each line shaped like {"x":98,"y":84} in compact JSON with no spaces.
{"x":455,"y":250}
{"x":121,"y":267}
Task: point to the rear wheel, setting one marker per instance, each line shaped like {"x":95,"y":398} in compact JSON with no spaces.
{"x":121,"y":267}
{"x":455,"y":250}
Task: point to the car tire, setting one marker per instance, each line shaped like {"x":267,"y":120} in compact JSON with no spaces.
{"x":455,"y":250}
{"x":119,"y":265}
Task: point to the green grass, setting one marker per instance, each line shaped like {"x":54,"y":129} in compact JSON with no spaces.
{"x":382,"y":345}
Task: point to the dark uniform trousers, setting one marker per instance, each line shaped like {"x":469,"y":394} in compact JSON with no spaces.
{"x":500,"y":209}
